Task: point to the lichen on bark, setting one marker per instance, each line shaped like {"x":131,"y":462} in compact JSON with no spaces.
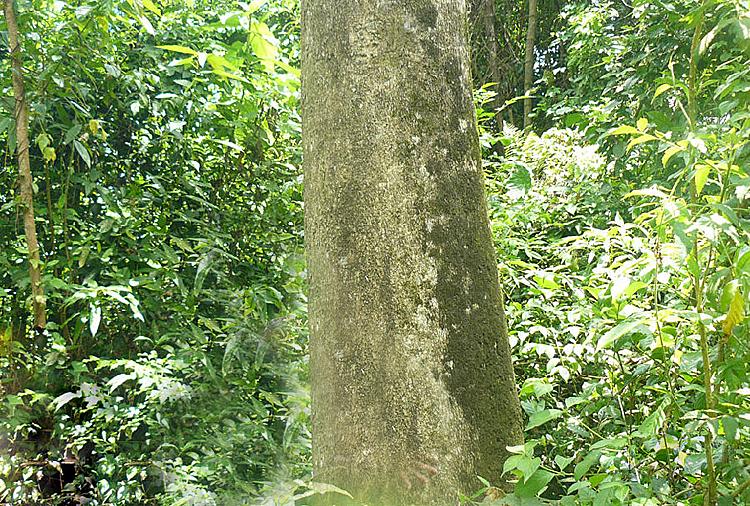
{"x":412,"y":382}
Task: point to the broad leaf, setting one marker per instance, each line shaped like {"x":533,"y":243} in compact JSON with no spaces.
{"x":65,"y":398}
{"x":702,"y":172}
{"x":622,"y":329}
{"x":542,"y":417}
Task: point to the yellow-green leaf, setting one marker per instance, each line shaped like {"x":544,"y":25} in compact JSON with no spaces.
{"x":226,"y":74}
{"x":179,"y":62}
{"x":640,"y":140}
{"x":255,"y":5}
{"x":623,"y":130}
{"x":736,"y":313}
{"x":179,"y":49}
{"x":49,"y":154}
{"x":642,"y":124}
{"x":662,"y":88}
{"x":294,"y":71}
{"x":220,"y":63}
{"x":150,"y":5}
{"x":43,"y":140}
{"x":6,"y":339}
{"x":702,"y":172}
{"x":264,"y":44}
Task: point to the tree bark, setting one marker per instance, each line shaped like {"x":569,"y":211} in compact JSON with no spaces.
{"x":25,"y":182}
{"x":528,"y":77}
{"x":490,"y":33}
{"x":412,"y":382}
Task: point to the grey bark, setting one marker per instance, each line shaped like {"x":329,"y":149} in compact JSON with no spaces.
{"x":412,"y":383}
{"x":25,"y":182}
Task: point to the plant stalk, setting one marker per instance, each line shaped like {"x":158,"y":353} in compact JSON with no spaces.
{"x":25,"y":181}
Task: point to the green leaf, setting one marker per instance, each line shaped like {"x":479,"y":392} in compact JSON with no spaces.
{"x":524,"y":463}
{"x":5,"y":124}
{"x":83,"y":153}
{"x":524,"y":449}
{"x":611,"y":443}
{"x":528,"y":466}
{"x":520,"y":180}
{"x":727,"y":294}
{"x":642,"y":124}
{"x":43,"y":140}
{"x":6,"y":337}
{"x":670,"y":152}
{"x":730,"y":426}
{"x":72,"y":133}
{"x":219,"y":62}
{"x":201,"y":273}
{"x":534,"y":484}
{"x":654,"y":421}
{"x":224,"y":142}
{"x":624,"y":328}
{"x":634,"y":287}
{"x":542,"y":417}
{"x":584,"y":465}
{"x":574,"y":401}
{"x":511,"y":463}
{"x":538,"y":387}
{"x":13,"y":400}
{"x":702,"y":171}
{"x":743,"y":260}
{"x":562,"y":462}
{"x":83,"y":11}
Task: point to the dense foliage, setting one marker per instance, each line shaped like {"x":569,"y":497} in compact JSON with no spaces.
{"x":165,"y":152}
{"x":627,"y":260}
{"x":170,"y":220}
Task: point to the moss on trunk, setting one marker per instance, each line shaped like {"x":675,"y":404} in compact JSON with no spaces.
{"x":413,"y":388}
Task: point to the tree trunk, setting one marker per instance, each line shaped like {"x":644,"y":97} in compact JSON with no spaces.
{"x":490,"y":33}
{"x":25,"y":183}
{"x":412,"y":382}
{"x":528,"y":74}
